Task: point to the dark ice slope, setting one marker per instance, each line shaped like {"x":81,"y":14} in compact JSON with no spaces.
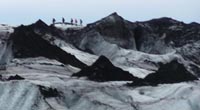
{"x":173,"y":72}
{"x":172,"y":34}
{"x":113,"y":29}
{"x":42,"y":28}
{"x":156,"y":36}
{"x":146,"y":36}
{"x":104,"y":70}
{"x":27,"y":43}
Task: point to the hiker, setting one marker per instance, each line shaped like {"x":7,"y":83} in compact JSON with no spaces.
{"x":76,"y":21}
{"x":54,"y":20}
{"x":81,"y":22}
{"x":72,"y":21}
{"x":63,"y":20}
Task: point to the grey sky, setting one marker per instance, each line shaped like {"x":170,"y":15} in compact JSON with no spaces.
{"x":28,"y":11}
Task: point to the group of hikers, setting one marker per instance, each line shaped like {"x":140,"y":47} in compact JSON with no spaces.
{"x":72,"y":22}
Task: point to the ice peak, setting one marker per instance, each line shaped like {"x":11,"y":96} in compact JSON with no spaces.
{"x":114,"y":14}
{"x":114,"y":17}
{"x":103,"y":60}
{"x":165,"y":20}
{"x":40,"y":23}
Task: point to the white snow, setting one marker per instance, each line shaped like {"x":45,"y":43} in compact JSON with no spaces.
{"x":82,"y":56}
{"x":6,"y":28}
{"x":67,"y":26}
{"x":5,"y":49}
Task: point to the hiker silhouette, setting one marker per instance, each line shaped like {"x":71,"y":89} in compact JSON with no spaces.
{"x":81,"y":22}
{"x":63,"y":20}
{"x":53,"y":20}
{"x":72,"y":21}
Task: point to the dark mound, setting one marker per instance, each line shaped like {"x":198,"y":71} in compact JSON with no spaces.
{"x":113,"y":29}
{"x":41,"y":28}
{"x":177,"y":34}
{"x":172,"y":72}
{"x":27,"y":43}
{"x":48,"y":92}
{"x":114,"y":26}
{"x":16,"y":77}
{"x":104,"y":70}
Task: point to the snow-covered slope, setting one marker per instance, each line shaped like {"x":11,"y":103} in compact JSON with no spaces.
{"x":5,"y":46}
{"x":68,"y":26}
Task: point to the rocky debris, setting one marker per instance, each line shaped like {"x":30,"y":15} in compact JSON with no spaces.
{"x":16,"y":77}
{"x":27,"y":43}
{"x":48,"y":92}
{"x":104,"y":70}
{"x":173,"y":72}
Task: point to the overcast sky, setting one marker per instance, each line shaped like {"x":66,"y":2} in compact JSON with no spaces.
{"x":17,"y":12}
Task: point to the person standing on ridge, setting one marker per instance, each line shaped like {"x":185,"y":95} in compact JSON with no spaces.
{"x":76,"y":21}
{"x":54,"y":20}
{"x":63,"y":20}
{"x":72,"y":21}
{"x":81,"y":22}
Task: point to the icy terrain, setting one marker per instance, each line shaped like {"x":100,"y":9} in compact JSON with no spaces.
{"x":38,"y":63}
{"x":81,"y":94}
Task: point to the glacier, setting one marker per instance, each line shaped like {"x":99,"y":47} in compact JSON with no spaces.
{"x":137,"y":48}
